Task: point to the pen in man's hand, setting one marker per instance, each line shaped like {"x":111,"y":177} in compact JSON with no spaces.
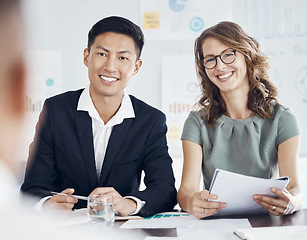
{"x":70,"y":195}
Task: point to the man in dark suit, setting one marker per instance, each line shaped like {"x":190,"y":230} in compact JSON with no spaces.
{"x":98,"y":140}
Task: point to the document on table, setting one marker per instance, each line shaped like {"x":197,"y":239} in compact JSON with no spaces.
{"x":237,"y":191}
{"x":273,"y":233}
{"x":187,"y":224}
{"x":219,"y":229}
{"x":163,"y":220}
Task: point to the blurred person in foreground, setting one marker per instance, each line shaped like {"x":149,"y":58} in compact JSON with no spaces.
{"x":14,"y":217}
{"x":12,"y":84}
{"x":17,"y":221}
{"x":241,"y":126}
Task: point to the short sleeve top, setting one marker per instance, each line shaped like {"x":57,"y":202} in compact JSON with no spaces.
{"x":246,"y":146}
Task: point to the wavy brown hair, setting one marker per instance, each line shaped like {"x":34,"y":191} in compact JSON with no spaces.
{"x":262,"y":96}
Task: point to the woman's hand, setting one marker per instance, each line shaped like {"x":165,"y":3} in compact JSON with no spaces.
{"x":284,"y":204}
{"x":200,"y":207}
{"x":189,"y":197}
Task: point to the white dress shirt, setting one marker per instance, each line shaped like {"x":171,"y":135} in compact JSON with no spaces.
{"x":102,"y":133}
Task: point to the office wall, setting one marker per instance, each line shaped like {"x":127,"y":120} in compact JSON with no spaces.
{"x":58,"y":35}
{"x":281,"y":29}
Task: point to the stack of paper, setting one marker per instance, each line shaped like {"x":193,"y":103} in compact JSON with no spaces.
{"x":237,"y":191}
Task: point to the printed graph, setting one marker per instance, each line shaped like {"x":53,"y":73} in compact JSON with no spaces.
{"x":180,"y":92}
{"x":32,"y":105}
{"x":274,"y":19}
{"x":178,"y":108}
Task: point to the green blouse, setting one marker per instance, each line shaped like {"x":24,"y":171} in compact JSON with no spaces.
{"x":245,"y":146}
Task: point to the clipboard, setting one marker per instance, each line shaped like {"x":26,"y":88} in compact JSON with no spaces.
{"x":237,"y":191}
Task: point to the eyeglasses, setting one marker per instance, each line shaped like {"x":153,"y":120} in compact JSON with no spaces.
{"x":228,"y":56}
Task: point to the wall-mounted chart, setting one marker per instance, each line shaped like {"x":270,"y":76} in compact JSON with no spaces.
{"x":281,"y":29}
{"x":44,"y":80}
{"x":180,"y":91}
{"x":181,"y":19}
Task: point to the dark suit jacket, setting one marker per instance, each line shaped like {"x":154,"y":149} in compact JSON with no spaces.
{"x":62,"y":155}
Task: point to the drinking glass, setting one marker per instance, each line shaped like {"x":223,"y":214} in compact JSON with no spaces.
{"x":100,"y":210}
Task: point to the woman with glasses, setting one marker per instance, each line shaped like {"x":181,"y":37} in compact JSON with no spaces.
{"x":240,"y":127}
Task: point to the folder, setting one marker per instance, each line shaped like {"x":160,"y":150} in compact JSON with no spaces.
{"x":273,"y":233}
{"x":237,"y":191}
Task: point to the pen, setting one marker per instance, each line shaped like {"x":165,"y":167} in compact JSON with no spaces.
{"x":70,"y":195}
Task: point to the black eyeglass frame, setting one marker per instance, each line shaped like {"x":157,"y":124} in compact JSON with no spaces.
{"x":220,"y":56}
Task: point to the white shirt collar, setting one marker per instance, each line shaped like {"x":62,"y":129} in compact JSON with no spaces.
{"x":125,"y":110}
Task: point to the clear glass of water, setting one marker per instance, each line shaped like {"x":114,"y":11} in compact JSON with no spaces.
{"x":100,"y":210}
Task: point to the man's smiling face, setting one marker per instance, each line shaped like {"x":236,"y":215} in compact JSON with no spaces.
{"x":111,"y":61}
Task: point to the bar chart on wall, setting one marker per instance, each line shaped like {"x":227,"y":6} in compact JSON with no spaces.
{"x":32,"y":105}
{"x":44,"y":80}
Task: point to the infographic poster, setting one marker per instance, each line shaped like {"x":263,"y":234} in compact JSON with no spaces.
{"x":180,"y":93}
{"x":280,"y":28}
{"x":43,"y":80}
{"x":181,"y":19}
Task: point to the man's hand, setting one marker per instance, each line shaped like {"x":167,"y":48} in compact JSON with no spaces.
{"x":61,"y":204}
{"x":123,"y":206}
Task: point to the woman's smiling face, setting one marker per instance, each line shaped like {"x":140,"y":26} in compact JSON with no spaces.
{"x":227,"y":77}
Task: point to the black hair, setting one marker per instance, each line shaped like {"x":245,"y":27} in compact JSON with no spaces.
{"x":118,"y":25}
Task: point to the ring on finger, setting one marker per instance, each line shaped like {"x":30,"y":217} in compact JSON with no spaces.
{"x":273,"y":208}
